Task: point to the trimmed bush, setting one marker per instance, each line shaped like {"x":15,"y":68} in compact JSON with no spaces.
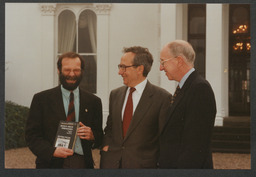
{"x":15,"y":121}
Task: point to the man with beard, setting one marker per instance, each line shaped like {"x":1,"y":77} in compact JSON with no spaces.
{"x":49,"y":107}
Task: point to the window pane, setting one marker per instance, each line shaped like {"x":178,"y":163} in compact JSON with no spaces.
{"x":90,"y":74}
{"x":197,"y":19}
{"x":240,"y":20}
{"x":66,"y":32}
{"x":199,"y":46}
{"x":87,"y":32}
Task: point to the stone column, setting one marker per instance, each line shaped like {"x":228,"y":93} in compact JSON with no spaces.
{"x":217,"y":56}
{"x":102,"y":11}
{"x":168,"y":33}
{"x":47,"y":55}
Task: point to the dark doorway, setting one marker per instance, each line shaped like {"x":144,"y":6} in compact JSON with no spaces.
{"x":239,"y":60}
{"x":197,"y":34}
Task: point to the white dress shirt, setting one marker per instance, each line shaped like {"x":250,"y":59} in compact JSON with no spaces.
{"x":65,"y":95}
{"x":136,"y":95}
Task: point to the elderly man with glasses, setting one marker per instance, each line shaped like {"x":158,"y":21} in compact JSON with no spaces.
{"x":136,"y":111}
{"x":186,"y":136}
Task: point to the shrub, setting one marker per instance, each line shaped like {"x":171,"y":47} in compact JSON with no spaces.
{"x":15,"y":121}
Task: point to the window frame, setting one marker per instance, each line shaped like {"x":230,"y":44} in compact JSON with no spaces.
{"x":102,"y":11}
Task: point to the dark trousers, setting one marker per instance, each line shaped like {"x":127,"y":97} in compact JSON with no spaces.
{"x":75,"y":161}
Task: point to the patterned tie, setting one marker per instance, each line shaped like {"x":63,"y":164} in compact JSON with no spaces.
{"x":177,"y":91}
{"x":71,"y":108}
{"x":128,"y":112}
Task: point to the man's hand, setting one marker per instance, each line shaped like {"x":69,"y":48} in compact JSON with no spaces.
{"x":62,"y":152}
{"x":105,"y":148}
{"x":85,"y":132}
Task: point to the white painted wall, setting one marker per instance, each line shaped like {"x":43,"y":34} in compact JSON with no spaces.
{"x":22,"y":52}
{"x":133,"y":25}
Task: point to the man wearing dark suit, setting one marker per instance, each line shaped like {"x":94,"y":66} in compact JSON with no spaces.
{"x":135,"y":145}
{"x":49,"y":107}
{"x":186,"y":133}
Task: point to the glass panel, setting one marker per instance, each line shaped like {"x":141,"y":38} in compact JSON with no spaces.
{"x":197,"y":20}
{"x":240,"y":20}
{"x":87,"y":32}
{"x":199,"y":47}
{"x":66,"y":32}
{"x":90,"y":74}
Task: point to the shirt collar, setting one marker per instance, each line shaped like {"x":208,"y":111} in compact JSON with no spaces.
{"x":66,"y":92}
{"x":140,"y":87}
{"x":185,"y":77}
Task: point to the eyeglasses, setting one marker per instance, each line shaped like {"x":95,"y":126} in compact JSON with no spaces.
{"x":163,"y":61}
{"x":123,"y":67}
{"x":75,"y":71}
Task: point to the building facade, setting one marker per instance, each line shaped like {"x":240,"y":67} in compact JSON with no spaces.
{"x":36,"y":34}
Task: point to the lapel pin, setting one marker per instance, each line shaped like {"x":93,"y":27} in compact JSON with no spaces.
{"x":86,"y":110}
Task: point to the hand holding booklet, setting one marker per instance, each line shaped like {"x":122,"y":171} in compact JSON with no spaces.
{"x":66,"y":134}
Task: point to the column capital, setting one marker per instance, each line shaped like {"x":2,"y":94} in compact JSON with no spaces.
{"x":48,"y":9}
{"x":102,"y":9}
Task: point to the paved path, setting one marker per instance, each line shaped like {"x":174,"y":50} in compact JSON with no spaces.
{"x":23,"y":158}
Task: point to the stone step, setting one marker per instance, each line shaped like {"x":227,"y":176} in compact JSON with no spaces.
{"x":237,"y":122}
{"x":230,"y":136}
{"x":231,"y":144}
{"x":232,"y":130}
{"x":233,"y":137}
{"x":226,"y":150}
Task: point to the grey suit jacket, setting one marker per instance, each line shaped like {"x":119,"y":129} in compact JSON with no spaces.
{"x":139,"y":148}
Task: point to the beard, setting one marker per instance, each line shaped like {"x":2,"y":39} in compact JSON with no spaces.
{"x":70,"y":86}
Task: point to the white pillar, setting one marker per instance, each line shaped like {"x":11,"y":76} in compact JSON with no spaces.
{"x":103,"y":11}
{"x":217,"y":56}
{"x":47,"y":55}
{"x":182,"y":21}
{"x":168,"y":33}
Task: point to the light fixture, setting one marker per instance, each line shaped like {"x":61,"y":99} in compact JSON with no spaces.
{"x":248,"y":46}
{"x":238,"y":46}
{"x":241,"y":29}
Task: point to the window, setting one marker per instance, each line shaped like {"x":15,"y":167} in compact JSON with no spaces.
{"x":197,"y":34}
{"x":80,"y":36}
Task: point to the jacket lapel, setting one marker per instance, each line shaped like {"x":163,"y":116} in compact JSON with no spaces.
{"x":57,"y":103}
{"x":178,"y":99}
{"x":141,"y":109}
{"x":84,"y":106}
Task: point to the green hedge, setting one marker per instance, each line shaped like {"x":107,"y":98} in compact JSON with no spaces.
{"x":15,"y":121}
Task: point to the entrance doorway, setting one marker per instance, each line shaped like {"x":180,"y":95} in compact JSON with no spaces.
{"x":239,"y":60}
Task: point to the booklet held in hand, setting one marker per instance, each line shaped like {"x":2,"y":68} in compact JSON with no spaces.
{"x":66,"y":134}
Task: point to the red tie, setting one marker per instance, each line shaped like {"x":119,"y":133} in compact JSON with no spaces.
{"x":71,"y":108}
{"x":128,"y":112}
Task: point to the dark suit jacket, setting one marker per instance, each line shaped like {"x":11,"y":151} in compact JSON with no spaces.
{"x":186,"y":135}
{"x":139,"y":148}
{"x":45,"y":113}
